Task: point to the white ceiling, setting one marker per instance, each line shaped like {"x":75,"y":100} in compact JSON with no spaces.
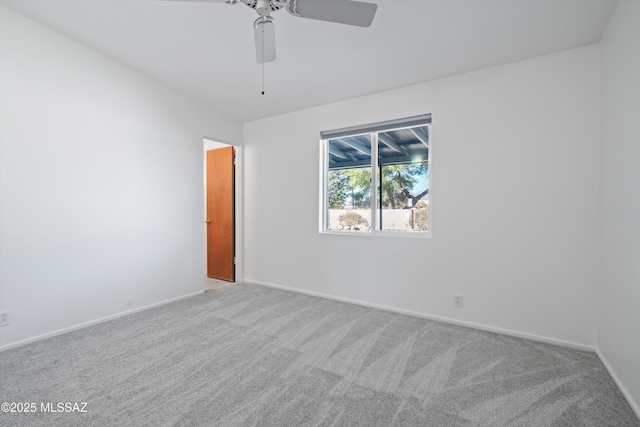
{"x":207,"y":49}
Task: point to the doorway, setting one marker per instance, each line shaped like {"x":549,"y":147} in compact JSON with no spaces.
{"x":221,"y":183}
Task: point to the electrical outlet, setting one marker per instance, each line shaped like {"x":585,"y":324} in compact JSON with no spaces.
{"x":5,"y":320}
{"x":457,"y":301}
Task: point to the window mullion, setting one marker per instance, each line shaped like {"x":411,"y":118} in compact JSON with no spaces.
{"x":375,"y":227}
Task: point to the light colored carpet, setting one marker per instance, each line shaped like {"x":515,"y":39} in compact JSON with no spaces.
{"x":244,"y":355}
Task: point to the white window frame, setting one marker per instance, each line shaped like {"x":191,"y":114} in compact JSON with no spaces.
{"x":373,"y":130}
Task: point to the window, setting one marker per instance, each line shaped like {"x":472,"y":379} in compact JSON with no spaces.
{"x":375,"y":178}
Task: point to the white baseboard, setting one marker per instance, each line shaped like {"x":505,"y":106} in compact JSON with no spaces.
{"x":625,"y":392}
{"x":473,"y":325}
{"x":94,"y":322}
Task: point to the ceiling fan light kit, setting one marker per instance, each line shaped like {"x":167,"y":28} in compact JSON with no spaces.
{"x":265,"y":35}
{"x":347,"y":12}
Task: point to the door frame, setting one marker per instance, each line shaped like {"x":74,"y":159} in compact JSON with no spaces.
{"x":211,"y":144}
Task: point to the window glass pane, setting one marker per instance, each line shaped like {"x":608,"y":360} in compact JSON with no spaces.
{"x":349,"y":184}
{"x":403,"y":179}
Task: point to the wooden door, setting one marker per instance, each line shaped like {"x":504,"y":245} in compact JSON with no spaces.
{"x":220,"y":214}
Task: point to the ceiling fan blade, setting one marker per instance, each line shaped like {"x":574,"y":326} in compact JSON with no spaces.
{"x":340,"y":11}
{"x":265,"y":34}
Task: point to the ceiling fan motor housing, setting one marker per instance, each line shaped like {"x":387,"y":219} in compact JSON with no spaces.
{"x":265,"y":7}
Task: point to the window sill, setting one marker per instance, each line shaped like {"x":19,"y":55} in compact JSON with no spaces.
{"x":392,"y":234}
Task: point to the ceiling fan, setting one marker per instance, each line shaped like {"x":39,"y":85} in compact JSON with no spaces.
{"x":339,"y":11}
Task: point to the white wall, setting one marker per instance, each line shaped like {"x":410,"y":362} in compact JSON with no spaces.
{"x":101,"y":184}
{"x":514,"y":201}
{"x":619,"y":297}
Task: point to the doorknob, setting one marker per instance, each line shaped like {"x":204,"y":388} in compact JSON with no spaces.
{"x":207,"y":222}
